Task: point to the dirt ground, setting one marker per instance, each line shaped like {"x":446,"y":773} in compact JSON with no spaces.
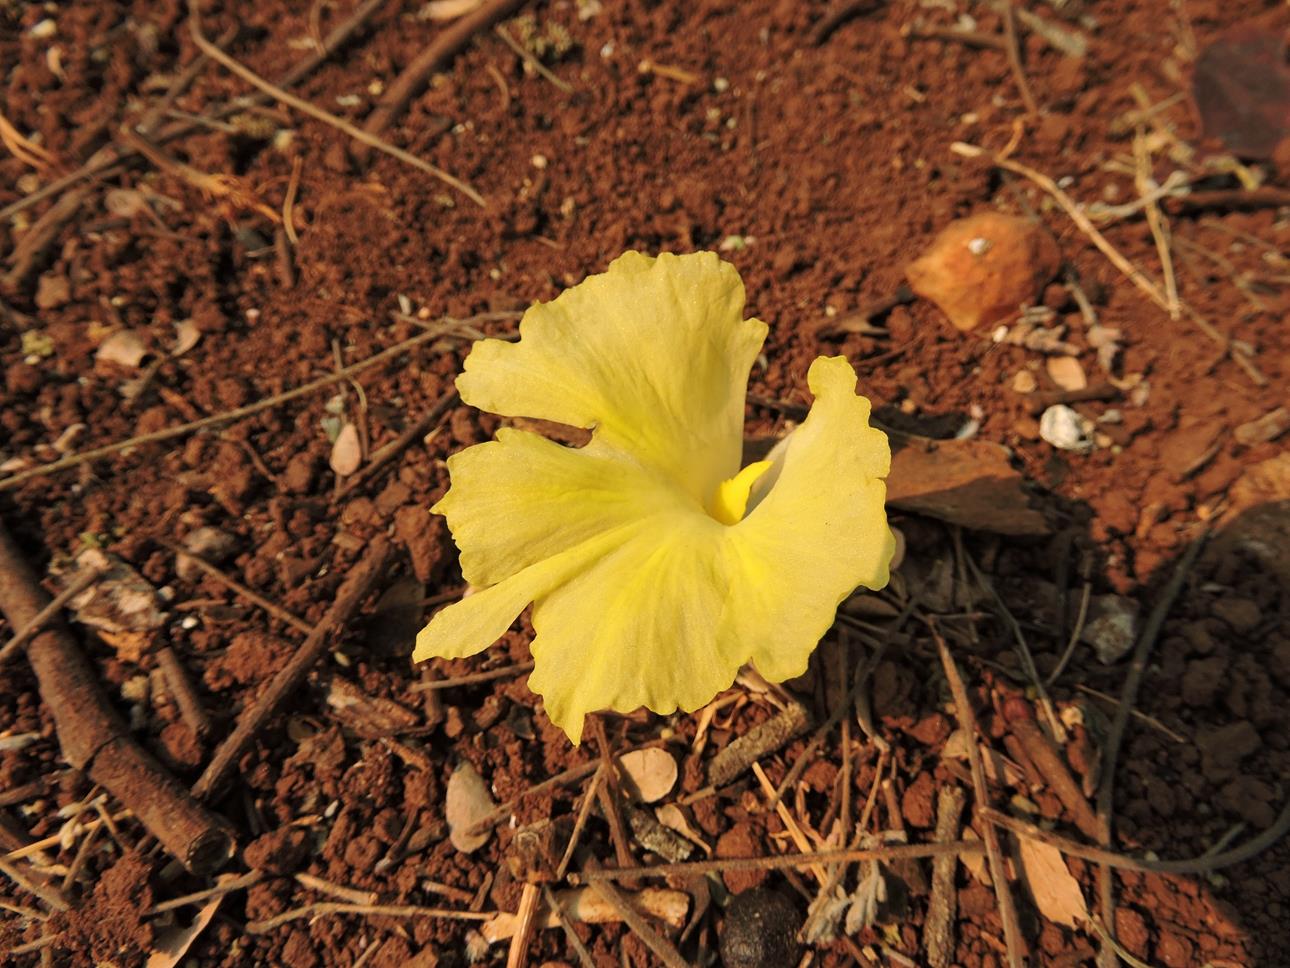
{"x":155,"y":281}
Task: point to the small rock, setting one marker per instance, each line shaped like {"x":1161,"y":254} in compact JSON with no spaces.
{"x":208,"y":544}
{"x":1241,"y":614}
{"x":1175,"y":951}
{"x":1066,"y":372}
{"x":347,"y":451}
{"x":124,"y":348}
{"x":982,"y":268}
{"x":1024,"y":382}
{"x":760,"y":931}
{"x":1065,"y":429}
{"x":466,"y":804}
{"x":1112,"y":627}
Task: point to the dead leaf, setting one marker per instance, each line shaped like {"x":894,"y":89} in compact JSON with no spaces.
{"x":120,"y":600}
{"x":347,"y":451}
{"x":169,"y":945}
{"x":1066,"y":372}
{"x":672,"y":816}
{"x":467,"y":803}
{"x":1054,"y":889}
{"x":124,"y":347}
{"x":187,"y":335}
{"x":650,"y":773}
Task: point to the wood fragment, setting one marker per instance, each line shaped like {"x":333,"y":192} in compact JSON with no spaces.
{"x":516,"y":956}
{"x":368,"y":910}
{"x":1057,"y":775}
{"x":81,"y":582}
{"x":181,"y":686}
{"x":608,"y":794}
{"x":360,"y":581}
{"x":938,"y":928}
{"x":1013,"y":938}
{"x":445,"y":46}
{"x":770,"y":736}
{"x":318,"y":114}
{"x":50,"y":895}
{"x":664,"y":949}
{"x":94,"y":739}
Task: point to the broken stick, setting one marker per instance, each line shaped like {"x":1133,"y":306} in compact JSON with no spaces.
{"x":350,"y":596}
{"x":93,"y":737}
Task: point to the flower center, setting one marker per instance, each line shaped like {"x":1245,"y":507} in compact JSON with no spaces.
{"x":731,"y":498}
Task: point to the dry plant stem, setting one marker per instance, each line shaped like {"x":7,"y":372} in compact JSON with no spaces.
{"x":474,"y":678}
{"x":93,"y":737}
{"x":317,"y":113}
{"x":445,"y":46}
{"x":778,"y":862}
{"x":339,"y":891}
{"x":200,"y":897}
{"x":51,"y":896}
{"x":110,"y":160}
{"x":516,"y":955}
{"x":584,"y":811}
{"x":360,"y":581}
{"x":36,"y":848}
{"x":82,"y":582}
{"x":275,"y":610}
{"x":1098,"y":855}
{"x":532,"y":61}
{"x":970,"y":38}
{"x":370,"y":910}
{"x":181,"y":685}
{"x":227,"y":416}
{"x":938,"y":928}
{"x":553,"y":904}
{"x":1086,"y":597}
{"x":1137,"y":714}
{"x":1013,"y":50}
{"x":1052,"y":767}
{"x":664,"y":949}
{"x":1155,"y":220}
{"x":1128,"y":696}
{"x":27,"y":254}
{"x":608,"y":794}
{"x":410,"y":436}
{"x":1132,"y":272}
{"x":998,"y":873}
{"x":503,"y":811}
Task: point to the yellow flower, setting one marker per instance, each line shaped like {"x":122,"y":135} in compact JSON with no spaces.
{"x":656,"y":567}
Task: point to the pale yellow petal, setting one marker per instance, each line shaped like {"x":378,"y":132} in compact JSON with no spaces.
{"x":653,"y":354}
{"x":521,"y":498}
{"x":819,"y":532}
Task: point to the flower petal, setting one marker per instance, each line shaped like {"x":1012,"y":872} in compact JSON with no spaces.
{"x":653,"y":354}
{"x":819,"y":531}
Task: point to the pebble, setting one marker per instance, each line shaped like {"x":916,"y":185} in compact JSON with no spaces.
{"x":760,"y":931}
{"x":1066,"y":372}
{"x":1112,"y":627}
{"x":1024,"y":382}
{"x":1065,"y":429}
{"x":982,"y":268}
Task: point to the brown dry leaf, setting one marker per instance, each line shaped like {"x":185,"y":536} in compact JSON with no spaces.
{"x":120,"y":600}
{"x":651,"y":772}
{"x":467,"y":803}
{"x":124,"y":347}
{"x":347,"y":452}
{"x":187,"y":336}
{"x":171,"y":944}
{"x":1066,"y":372}
{"x":1052,"y":886}
{"x":672,"y":816}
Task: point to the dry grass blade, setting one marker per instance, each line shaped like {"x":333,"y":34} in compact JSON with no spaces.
{"x":25,"y":150}
{"x":532,"y":61}
{"x":318,"y":114}
{"x":998,"y":874}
